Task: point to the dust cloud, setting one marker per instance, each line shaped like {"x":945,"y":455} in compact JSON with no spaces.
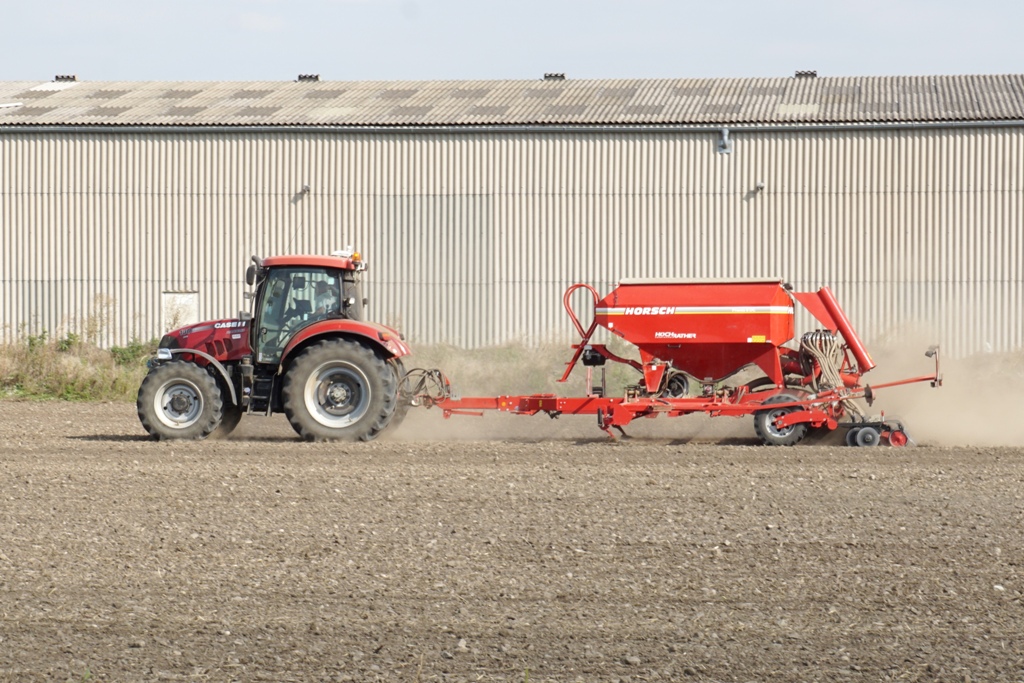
{"x":981,"y":401}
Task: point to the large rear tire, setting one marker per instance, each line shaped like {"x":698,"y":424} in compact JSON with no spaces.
{"x":180,"y":400}
{"x":339,"y":390}
{"x":764,"y":423}
{"x":400,"y":406}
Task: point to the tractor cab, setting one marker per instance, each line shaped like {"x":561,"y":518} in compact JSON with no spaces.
{"x":295,"y":292}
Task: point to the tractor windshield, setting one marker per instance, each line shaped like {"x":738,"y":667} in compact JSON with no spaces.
{"x":292,"y":298}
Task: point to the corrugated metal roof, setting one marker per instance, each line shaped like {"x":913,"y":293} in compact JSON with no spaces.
{"x":737,"y":101}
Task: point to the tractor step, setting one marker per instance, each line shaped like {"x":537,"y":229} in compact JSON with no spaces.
{"x":261,"y":401}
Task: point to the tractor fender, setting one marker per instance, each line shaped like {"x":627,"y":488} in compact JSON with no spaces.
{"x":378,"y":336}
{"x":212,"y":361}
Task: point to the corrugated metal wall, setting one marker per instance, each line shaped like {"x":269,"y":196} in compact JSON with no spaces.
{"x":472,"y":237}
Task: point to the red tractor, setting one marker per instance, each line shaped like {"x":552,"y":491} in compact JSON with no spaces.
{"x":304,"y":350}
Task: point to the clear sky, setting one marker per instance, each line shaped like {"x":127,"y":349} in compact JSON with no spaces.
{"x":275,"y":40}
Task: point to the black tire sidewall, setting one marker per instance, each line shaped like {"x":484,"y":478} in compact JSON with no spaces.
{"x":393,"y":416}
{"x":403,"y":401}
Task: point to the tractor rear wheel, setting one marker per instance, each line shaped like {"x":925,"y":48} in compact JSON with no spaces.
{"x":180,"y":400}
{"x":339,"y":390}
{"x":402,"y":402}
{"x":768,"y":432}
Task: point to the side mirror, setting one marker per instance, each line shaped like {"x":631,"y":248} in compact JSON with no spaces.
{"x":250,"y":275}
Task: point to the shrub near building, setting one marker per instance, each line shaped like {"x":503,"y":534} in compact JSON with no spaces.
{"x":41,"y":367}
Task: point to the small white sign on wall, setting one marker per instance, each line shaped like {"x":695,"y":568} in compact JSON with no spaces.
{"x":178,"y":309}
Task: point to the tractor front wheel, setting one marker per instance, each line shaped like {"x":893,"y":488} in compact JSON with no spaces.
{"x":180,"y":400}
{"x":768,"y":432}
{"x":339,"y":390}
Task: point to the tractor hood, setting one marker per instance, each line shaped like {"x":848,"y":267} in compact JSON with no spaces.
{"x":225,"y":340}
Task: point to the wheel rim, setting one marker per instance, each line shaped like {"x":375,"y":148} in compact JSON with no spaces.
{"x":775,"y":431}
{"x":868,"y":436}
{"x":337,"y":395}
{"x":179,"y":404}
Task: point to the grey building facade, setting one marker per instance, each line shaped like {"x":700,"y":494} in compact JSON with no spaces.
{"x":127,"y":208}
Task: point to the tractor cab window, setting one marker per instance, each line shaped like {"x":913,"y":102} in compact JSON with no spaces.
{"x":293,"y":298}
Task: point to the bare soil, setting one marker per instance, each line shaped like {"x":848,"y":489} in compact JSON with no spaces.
{"x":541,"y":552}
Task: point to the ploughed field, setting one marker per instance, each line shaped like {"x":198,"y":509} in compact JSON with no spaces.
{"x":538,"y":554}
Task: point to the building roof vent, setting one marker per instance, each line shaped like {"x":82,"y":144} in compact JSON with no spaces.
{"x":554,"y":77}
{"x":806,"y":74}
{"x":65,"y":78}
{"x":309,"y":78}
